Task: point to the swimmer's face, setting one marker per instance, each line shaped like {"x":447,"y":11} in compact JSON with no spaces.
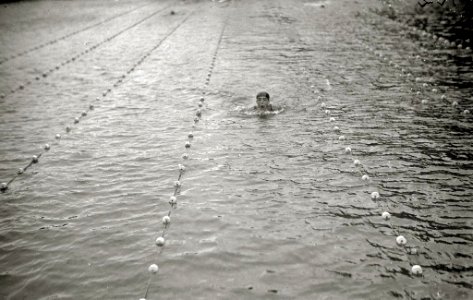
{"x":262,"y":102}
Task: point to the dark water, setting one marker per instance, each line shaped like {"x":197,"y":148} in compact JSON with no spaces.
{"x":270,"y":207}
{"x":452,"y":20}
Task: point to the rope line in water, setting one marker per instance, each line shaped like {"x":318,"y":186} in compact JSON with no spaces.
{"x":35,"y":159}
{"x":66,"y":36}
{"x":441,"y":41}
{"x":375,"y":196}
{"x":77,"y":56}
{"x":407,"y":75}
{"x":419,"y":88}
{"x":166,"y":220}
{"x":411,"y":252}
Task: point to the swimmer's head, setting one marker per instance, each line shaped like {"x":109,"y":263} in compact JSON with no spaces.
{"x":262,"y":100}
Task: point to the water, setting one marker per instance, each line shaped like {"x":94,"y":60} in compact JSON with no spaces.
{"x":271,"y":207}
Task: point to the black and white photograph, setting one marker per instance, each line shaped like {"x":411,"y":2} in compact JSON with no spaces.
{"x":236,"y":149}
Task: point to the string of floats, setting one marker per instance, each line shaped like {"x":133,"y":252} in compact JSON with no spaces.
{"x":166,"y":220}
{"x":419,"y":89}
{"x":68,"y":35}
{"x":72,"y":59}
{"x":4,"y":186}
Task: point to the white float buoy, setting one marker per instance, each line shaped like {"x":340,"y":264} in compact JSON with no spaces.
{"x":454,"y":103}
{"x":413,"y":251}
{"x":34,"y":159}
{"x":443,"y":97}
{"x":336,"y":128}
{"x":417,"y":79}
{"x":3,"y":186}
{"x":323,"y":105}
{"x":172,"y":200}
{"x":181,"y":167}
{"x":47,"y":147}
{"x":188,"y":145}
{"x":401,"y":240}
{"x":190,"y":135}
{"x":327,"y":112}
{"x":424,"y":101}
{"x":20,"y":171}
{"x":365,"y":177}
{"x":160,"y":241}
{"x":177,"y":183}
{"x":347,"y":150}
{"x":153,"y":269}
{"x":84,"y":113}
{"x":356,"y":162}
{"x":424,"y":85}
{"x":416,"y":270}
{"x":385,"y":215}
{"x":76,"y":120}
{"x":185,"y":156}
{"x":375,"y":195}
{"x":466,"y":112}
{"x":332,"y":119}
{"x":434,"y":90}
{"x":167,"y":219}
{"x":58,"y":136}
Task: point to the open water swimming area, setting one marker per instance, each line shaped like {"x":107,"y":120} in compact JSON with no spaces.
{"x":135,"y":165}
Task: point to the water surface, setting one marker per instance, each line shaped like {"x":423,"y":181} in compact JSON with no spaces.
{"x":271,"y":207}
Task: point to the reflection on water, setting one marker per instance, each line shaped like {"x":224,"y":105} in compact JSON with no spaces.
{"x":271,"y":207}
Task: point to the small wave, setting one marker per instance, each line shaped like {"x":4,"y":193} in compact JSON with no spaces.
{"x":252,"y":112}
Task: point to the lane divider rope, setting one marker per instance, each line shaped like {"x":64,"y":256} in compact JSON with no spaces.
{"x":35,"y":159}
{"x":166,"y":220}
{"x":66,"y":36}
{"x":412,"y":252}
{"x":77,"y":56}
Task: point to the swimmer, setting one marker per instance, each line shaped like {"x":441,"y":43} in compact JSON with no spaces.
{"x":262,"y":107}
{"x":262,"y":102}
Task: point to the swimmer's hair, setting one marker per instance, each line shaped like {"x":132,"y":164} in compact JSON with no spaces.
{"x":262,"y":94}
